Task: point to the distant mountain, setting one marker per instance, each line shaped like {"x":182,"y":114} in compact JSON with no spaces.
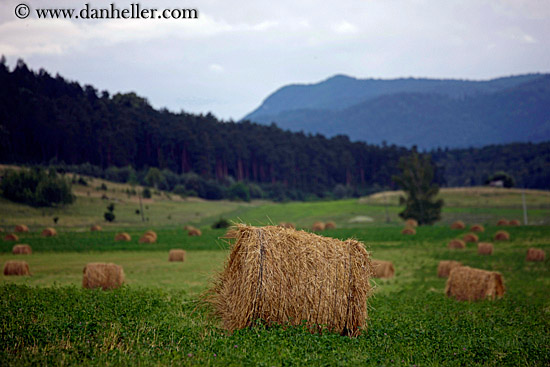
{"x":425,"y":112}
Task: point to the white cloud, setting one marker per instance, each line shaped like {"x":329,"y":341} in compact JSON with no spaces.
{"x":344,"y":28}
{"x":217,"y":68}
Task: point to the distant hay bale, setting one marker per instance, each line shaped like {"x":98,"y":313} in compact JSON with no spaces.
{"x":176,"y":255}
{"x":535,"y":254}
{"x":457,"y":244}
{"x":469,"y":284}
{"x":470,"y":237}
{"x":147,"y":238}
{"x":102,"y":275}
{"x":514,"y":223}
{"x":194,"y":232}
{"x":188,"y":227}
{"x":458,"y":225}
{"x":382,"y":269}
{"x":485,"y":248}
{"x":287,"y":225}
{"x":318,"y":226}
{"x":21,"y":249}
{"x":15,"y":267}
{"x":503,"y":222}
{"x":408,"y":231}
{"x":49,"y":232}
{"x":330,"y":225}
{"x":11,"y":237}
{"x":445,"y":266}
{"x":412,"y":223}
{"x":151,"y":234}
{"x":477,"y":228}
{"x":123,"y":237}
{"x":21,"y":228}
{"x":95,"y":228}
{"x":502,"y":236}
{"x":284,"y":276}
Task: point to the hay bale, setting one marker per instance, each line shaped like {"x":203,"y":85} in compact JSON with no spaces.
{"x":485,"y":248}
{"x":14,"y":267}
{"x":445,"y":267}
{"x":514,"y":223}
{"x":330,"y":225}
{"x":188,"y":227}
{"x":123,"y":237}
{"x":287,"y":225}
{"x":151,"y":234}
{"x":284,"y":276}
{"x":458,"y":225}
{"x":477,"y":228}
{"x":176,"y":255}
{"x":102,"y":275}
{"x":412,"y":223}
{"x":535,"y":254}
{"x":231,"y":233}
{"x":21,"y":228}
{"x":503,"y":222}
{"x":469,"y":284}
{"x":470,"y":237}
{"x":408,"y":231}
{"x":194,"y":232}
{"x":318,"y":226}
{"x":11,"y":237}
{"x":49,"y":232}
{"x":147,"y":238}
{"x":456,"y":244}
{"x":502,"y":236}
{"x":95,"y":228}
{"x":21,"y":249}
{"x":382,"y":269}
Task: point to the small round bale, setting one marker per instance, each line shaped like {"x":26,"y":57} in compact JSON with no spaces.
{"x":15,"y":267}
{"x":318,"y":226}
{"x":503,"y":222}
{"x":535,"y":254}
{"x":445,"y":267}
{"x":49,"y":232}
{"x":408,"y":231}
{"x":485,"y":248}
{"x":470,"y":237}
{"x":502,"y":236}
{"x":21,"y":228}
{"x":514,"y":223}
{"x":187,"y":227}
{"x":477,"y":228}
{"x":102,"y":275}
{"x":147,"y":238}
{"x":123,"y":237}
{"x":383,"y":269}
{"x":11,"y":237}
{"x":330,"y":225}
{"x":469,"y":284}
{"x":151,"y":234}
{"x":21,"y":249}
{"x":287,"y":225}
{"x":95,"y":228}
{"x":456,"y":244}
{"x":176,"y":255}
{"x":194,"y":232}
{"x":458,"y":225}
{"x":412,"y":223}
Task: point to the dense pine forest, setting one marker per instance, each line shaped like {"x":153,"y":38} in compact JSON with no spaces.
{"x":46,"y":119}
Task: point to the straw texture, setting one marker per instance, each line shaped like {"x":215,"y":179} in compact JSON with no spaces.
{"x":21,"y":249}
{"x":502,"y":236}
{"x":535,"y":254}
{"x":176,"y":255}
{"x":15,"y":267}
{"x":383,"y":269}
{"x":457,"y":244}
{"x":485,"y":248}
{"x":445,"y":267}
{"x":458,"y":225}
{"x":469,"y":284}
{"x":102,"y":275}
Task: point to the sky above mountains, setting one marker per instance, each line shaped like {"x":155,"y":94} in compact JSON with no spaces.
{"x":238,"y":52}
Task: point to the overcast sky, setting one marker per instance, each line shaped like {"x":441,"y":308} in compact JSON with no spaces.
{"x":238,"y":52}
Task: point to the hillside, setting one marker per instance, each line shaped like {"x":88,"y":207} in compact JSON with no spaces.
{"x":423,"y":112}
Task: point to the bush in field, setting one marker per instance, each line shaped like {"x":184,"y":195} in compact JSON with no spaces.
{"x":239,"y":191}
{"x":36,"y":187}
{"x":221,"y":223}
{"x":109,"y":215}
{"x":146,"y":193}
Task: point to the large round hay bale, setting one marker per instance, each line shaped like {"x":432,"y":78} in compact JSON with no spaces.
{"x":123,"y":237}
{"x":408,"y":231}
{"x":485,"y":248}
{"x":502,"y":236}
{"x":284,"y":276}
{"x":21,"y":228}
{"x":456,"y":244}
{"x":330,"y":225}
{"x":287,"y":225}
{"x":514,"y":223}
{"x":151,"y":234}
{"x":445,"y":266}
{"x":477,"y":228}
{"x":469,"y":284}
{"x":412,"y":223}
{"x":458,"y":225}
{"x":49,"y":232}
{"x":15,"y":267}
{"x":11,"y":237}
{"x":147,"y":238}
{"x":318,"y":226}
{"x":102,"y":275}
{"x":21,"y":249}
{"x":470,"y":237}
{"x":382,"y":269}
{"x":535,"y":254}
{"x":503,"y":222}
{"x":176,"y":255}
{"x":194,"y":232}
{"x":95,"y":228}
{"x":231,"y":233}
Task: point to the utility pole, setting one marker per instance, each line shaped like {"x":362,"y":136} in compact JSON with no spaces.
{"x":386,"y":206}
{"x":524,"y":207}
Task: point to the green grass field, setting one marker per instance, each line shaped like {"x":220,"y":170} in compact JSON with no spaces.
{"x":157,"y":318}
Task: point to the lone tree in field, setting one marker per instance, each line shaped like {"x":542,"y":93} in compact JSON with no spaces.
{"x":417,"y":180}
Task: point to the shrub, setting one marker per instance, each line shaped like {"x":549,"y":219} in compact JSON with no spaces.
{"x":239,"y":191}
{"x":146,"y":193}
{"x":109,"y":215}
{"x":221,"y":223}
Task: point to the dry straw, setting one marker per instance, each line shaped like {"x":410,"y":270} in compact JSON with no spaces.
{"x":14,"y":267}
{"x":477,"y":228}
{"x":194,"y":232}
{"x":123,"y":237}
{"x":284,"y":276}
{"x":148,"y":237}
{"x":470,"y":237}
{"x":176,"y":255}
{"x":102,"y":275}
{"x":457,"y":244}
{"x":535,"y":254}
{"x":411,"y":223}
{"x":49,"y":232}
{"x":21,"y":250}
{"x":330,"y":225}
{"x":469,"y":284}
{"x":458,"y":225}
{"x":445,"y":267}
{"x":503,"y":222}
{"x":502,"y":236}
{"x":383,"y":269}
{"x":11,"y":237}
{"x":408,"y":231}
{"x":485,"y":248}
{"x":95,"y":228}
{"x":514,"y":223}
{"x":318,"y":226}
{"x":21,"y":228}
{"x":287,"y":225}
